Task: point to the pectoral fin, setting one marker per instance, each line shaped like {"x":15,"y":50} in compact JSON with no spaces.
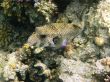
{"x":64,"y":43}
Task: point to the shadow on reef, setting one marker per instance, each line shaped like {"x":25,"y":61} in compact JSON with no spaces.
{"x":14,"y":34}
{"x":62,"y":4}
{"x":42,"y":78}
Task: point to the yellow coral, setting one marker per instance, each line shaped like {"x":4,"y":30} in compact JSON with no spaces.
{"x":12,"y":65}
{"x":5,"y":3}
{"x":38,"y":50}
{"x":26,"y":46}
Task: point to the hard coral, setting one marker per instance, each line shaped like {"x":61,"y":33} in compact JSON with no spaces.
{"x":39,"y":72}
{"x":46,"y":7}
{"x":103,"y":13}
{"x":103,"y":69}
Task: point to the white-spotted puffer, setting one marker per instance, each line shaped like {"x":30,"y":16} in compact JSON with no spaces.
{"x":54,"y":34}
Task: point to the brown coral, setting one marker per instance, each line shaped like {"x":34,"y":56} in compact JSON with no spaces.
{"x":106,"y":61}
{"x":69,"y":51}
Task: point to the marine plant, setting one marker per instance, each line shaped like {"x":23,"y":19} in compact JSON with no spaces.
{"x":6,"y":34}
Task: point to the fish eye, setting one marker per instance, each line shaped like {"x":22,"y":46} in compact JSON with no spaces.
{"x":42,"y":36}
{"x":56,"y":40}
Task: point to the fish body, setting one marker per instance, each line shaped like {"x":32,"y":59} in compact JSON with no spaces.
{"x":61,"y":32}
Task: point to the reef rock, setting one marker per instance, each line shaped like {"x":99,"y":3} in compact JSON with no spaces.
{"x":75,"y":71}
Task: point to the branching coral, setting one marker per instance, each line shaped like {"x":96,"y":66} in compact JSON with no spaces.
{"x":46,"y":8}
{"x":24,"y":10}
{"x":6,"y":35}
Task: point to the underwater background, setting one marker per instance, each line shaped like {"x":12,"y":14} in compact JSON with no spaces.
{"x":54,"y":40}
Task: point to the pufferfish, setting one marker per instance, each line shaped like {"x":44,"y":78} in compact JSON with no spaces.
{"x":54,"y":34}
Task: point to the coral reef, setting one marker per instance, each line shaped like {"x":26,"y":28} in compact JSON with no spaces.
{"x":11,"y":38}
{"x":76,"y":71}
{"x":47,"y":8}
{"x":31,"y":52}
{"x":29,"y":10}
{"x":3,"y":61}
{"x":75,"y":49}
{"x":102,"y":69}
{"x":74,"y":12}
{"x":39,"y":72}
{"x":20,"y":65}
{"x":103,"y":13}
